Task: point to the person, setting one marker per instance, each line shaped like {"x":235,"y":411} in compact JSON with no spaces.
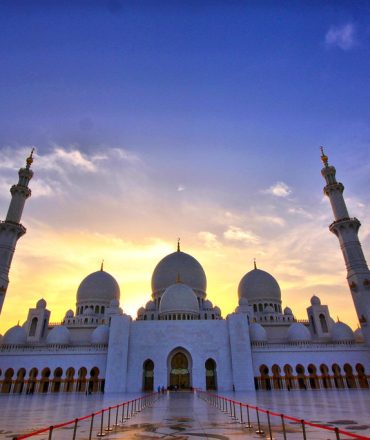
{"x":159,"y":389}
{"x":162,"y":389}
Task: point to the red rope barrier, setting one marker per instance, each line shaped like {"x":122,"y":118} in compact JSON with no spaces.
{"x":70,"y":422}
{"x":293,"y":419}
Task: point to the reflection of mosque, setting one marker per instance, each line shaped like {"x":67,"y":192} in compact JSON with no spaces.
{"x":179,"y":339}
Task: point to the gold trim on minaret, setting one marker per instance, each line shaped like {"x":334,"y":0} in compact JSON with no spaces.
{"x":29,"y":159}
{"x":178,"y":244}
{"x":102,"y":265}
{"x":324,"y":157}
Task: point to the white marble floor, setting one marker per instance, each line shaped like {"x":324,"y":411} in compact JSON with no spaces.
{"x":183,"y":416}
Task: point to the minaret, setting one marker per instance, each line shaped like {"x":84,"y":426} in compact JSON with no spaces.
{"x":346,"y":229}
{"x":11,"y":229}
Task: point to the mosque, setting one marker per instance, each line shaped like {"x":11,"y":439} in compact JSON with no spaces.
{"x":180,"y":339}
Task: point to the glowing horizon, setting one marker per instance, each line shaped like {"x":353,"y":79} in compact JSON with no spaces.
{"x":54,"y":272}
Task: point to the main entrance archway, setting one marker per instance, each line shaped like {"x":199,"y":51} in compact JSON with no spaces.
{"x":179,"y":368}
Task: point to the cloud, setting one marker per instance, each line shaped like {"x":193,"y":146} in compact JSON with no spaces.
{"x":180,"y":188}
{"x":341,"y":36}
{"x":209,"y":239}
{"x":279,"y":189}
{"x":300,"y":211}
{"x":235,"y":233}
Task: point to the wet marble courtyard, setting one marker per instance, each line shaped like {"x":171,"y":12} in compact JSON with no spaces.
{"x":184,"y":416}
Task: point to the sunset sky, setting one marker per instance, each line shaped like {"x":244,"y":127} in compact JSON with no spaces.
{"x":154,"y":120}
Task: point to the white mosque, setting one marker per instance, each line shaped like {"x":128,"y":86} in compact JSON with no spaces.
{"x":179,"y":339}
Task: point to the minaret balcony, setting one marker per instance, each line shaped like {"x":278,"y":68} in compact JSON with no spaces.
{"x":10,"y":226}
{"x":344,"y":223}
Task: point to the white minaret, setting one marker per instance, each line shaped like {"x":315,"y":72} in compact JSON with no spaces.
{"x":346,"y":229}
{"x":11,"y":229}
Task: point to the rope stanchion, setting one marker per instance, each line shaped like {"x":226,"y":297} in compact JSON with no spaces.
{"x":269,"y":426}
{"x":116,"y":420}
{"x":248,"y":425}
{"x":283,"y":426}
{"x":303,"y":430}
{"x":75,"y":430}
{"x":91,"y":425}
{"x":101,"y":433}
{"x":259,"y":430}
{"x":109,"y":428}
{"x":50,"y":432}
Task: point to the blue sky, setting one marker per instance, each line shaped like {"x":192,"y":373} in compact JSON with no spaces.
{"x":160,"y":117}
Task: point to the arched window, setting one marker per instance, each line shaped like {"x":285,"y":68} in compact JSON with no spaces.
{"x":312,"y":321}
{"x":260,"y":307}
{"x":7,"y":382}
{"x":265,"y":378}
{"x":276,"y":377}
{"x":81,"y":381}
{"x":44,"y":383}
{"x":211,"y":375}
{"x":32,"y":380}
{"x":57,"y":381}
{"x":362,"y":378}
{"x":102,"y":310}
{"x":323,"y":323}
{"x":148,"y":375}
{"x":301,"y":376}
{"x":96,"y":309}
{"x":94,"y":382}
{"x":33,"y":326}
{"x":19,"y":382}
{"x":69,"y":381}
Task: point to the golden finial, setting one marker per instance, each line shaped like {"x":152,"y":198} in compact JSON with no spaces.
{"x":178,"y":244}
{"x":178,"y":278}
{"x":29,"y":159}
{"x":255,"y":263}
{"x":18,"y":324}
{"x":338,"y":320}
{"x":102,"y":265}
{"x":324,"y":157}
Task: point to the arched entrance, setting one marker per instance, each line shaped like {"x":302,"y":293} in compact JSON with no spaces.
{"x":179,"y":369}
{"x":211,"y":376}
{"x":148,"y":375}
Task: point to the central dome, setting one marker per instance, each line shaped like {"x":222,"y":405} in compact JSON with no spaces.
{"x":178,"y":263}
{"x":259,"y":285}
{"x":179,"y":298}
{"x":98,"y":286}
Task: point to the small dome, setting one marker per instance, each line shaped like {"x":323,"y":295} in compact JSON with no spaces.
{"x":341,"y":332}
{"x":150,"y":306}
{"x":41,"y":304}
{"x":269,"y":309}
{"x":217,"y":310}
{"x":288,"y":311}
{"x":98,"y":286}
{"x":298,"y":332}
{"x":168,"y":269}
{"x":257,"y":333}
{"x":259,"y":285}
{"x":100,"y":335}
{"x":15,"y":336}
{"x":69,"y":314}
{"x":141,"y":311}
{"x":207,"y":305}
{"x":243,"y":301}
{"x":88,"y":311}
{"x":179,"y":298}
{"x":315,"y":301}
{"x":359,"y":337}
{"x":114,"y":304}
{"x":59,"y":335}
